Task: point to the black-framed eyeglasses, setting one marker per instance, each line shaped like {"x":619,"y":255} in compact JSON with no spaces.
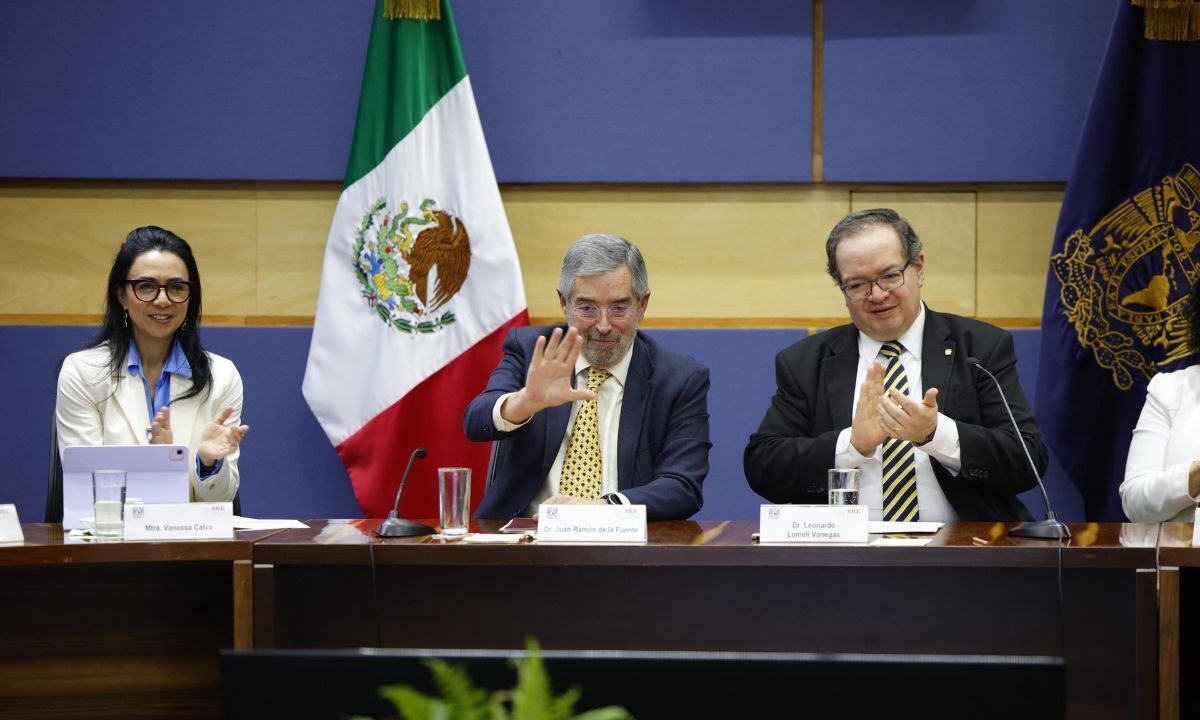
{"x":887,"y":282}
{"x":147,"y":290}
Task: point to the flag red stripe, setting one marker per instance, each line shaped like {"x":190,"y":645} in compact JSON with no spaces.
{"x":429,"y":416}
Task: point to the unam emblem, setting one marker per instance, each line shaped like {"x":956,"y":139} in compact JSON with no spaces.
{"x":410,"y":266}
{"x":1125,"y":284}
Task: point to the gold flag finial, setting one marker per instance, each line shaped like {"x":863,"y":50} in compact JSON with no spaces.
{"x":412,"y":9}
{"x":1177,"y":20}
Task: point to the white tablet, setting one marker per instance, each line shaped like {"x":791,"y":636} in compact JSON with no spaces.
{"x":154,"y":474}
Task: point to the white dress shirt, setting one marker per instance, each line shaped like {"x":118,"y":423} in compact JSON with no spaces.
{"x":944,"y":447}
{"x":1162,"y":451}
{"x":608,"y":418}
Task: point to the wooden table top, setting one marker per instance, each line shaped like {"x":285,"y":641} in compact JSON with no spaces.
{"x":47,"y":544}
{"x":1175,"y":547}
{"x":717,"y":543}
{"x":683,"y":542}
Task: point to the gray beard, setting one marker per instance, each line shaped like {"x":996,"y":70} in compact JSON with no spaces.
{"x":606,"y":358}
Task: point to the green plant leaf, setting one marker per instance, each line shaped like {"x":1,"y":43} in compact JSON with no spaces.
{"x":563,"y":706}
{"x":414,"y":705}
{"x":463,"y":699}
{"x":533,"y":698}
{"x":612,"y":712}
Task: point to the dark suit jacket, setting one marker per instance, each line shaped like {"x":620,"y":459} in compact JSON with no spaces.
{"x":662,"y":451}
{"x":786,"y":459}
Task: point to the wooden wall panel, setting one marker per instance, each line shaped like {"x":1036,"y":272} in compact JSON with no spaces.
{"x":945,"y":222}
{"x":57,"y":241}
{"x":728,"y":252}
{"x":293,"y":228}
{"x":1016,"y":231}
{"x":718,"y":255}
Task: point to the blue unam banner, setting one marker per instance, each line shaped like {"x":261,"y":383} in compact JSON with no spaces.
{"x":1124,"y":258}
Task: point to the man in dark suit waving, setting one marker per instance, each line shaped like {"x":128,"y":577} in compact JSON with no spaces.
{"x":594,"y":411}
{"x":893,"y":395}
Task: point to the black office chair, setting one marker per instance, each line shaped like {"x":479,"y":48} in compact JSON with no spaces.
{"x":491,"y":468}
{"x":54,"y":490}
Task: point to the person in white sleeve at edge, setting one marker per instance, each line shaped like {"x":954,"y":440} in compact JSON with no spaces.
{"x":1162,"y":473}
{"x":145,"y":378}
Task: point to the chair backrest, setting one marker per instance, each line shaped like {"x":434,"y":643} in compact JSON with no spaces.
{"x":491,"y":469}
{"x":54,"y":491}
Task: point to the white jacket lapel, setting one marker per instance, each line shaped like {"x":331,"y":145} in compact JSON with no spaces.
{"x":131,"y":400}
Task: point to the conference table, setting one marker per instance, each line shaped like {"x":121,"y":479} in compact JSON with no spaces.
{"x":972,"y":590}
{"x":111,"y":629}
{"x":119,"y":629}
{"x":1179,"y":590}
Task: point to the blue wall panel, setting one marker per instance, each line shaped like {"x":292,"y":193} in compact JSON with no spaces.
{"x":290,"y":470}
{"x":957,"y":90}
{"x":220,"y":89}
{"x":638,"y":91}
{"x":568,"y":91}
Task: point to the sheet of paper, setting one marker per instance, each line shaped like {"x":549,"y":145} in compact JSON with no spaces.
{"x":245,"y":523}
{"x":880,"y":527}
{"x":493,"y":539}
{"x":900,"y":542}
{"x":10,"y":525}
{"x":520,"y":525}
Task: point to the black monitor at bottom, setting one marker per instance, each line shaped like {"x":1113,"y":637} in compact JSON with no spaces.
{"x":345,"y":683}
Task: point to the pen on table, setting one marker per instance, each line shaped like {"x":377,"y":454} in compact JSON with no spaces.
{"x":979,"y":541}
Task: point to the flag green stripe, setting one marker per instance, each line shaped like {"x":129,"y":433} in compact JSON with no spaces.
{"x":410,"y":65}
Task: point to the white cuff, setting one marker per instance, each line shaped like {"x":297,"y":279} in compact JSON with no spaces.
{"x":945,"y":446}
{"x":845,"y":455}
{"x":498,"y":420}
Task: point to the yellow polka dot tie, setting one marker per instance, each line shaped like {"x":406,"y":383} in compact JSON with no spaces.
{"x":899,"y":461}
{"x":581,"y":475}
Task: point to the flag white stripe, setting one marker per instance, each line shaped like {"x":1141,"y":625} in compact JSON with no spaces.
{"x":357,"y":365}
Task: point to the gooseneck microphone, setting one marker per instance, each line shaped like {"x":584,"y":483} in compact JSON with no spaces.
{"x":396,"y":526}
{"x":1051,"y":527}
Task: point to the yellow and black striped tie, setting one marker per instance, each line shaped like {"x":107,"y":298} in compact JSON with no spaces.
{"x":899,"y":461}
{"x":582,"y":474}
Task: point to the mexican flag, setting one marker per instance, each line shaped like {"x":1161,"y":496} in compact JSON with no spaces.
{"x":420,"y":281}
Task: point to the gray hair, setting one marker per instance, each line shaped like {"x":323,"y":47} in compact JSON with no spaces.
{"x":596,"y":254}
{"x":857,"y":222}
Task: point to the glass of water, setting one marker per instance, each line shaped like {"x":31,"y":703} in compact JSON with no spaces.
{"x":843,"y":486}
{"x":454,"y":496}
{"x":108,"y":494}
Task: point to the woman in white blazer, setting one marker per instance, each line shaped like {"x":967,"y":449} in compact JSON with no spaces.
{"x":1162,"y":473}
{"x":145,"y":378}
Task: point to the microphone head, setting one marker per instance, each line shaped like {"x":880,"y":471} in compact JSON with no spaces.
{"x":420,"y":452}
{"x":972,"y":360}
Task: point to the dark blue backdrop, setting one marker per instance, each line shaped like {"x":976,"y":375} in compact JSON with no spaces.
{"x":568,"y":91}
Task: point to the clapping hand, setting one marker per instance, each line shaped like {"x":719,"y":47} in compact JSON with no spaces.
{"x":904,"y":418}
{"x":160,"y":429}
{"x":220,"y":440}
{"x":868,"y":431}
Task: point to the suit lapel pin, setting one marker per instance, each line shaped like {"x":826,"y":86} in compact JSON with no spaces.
{"x":949,"y":351}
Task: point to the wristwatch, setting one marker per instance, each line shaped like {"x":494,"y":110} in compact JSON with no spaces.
{"x":612,"y":499}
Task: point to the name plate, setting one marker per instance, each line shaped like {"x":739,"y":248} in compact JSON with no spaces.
{"x":10,"y":525}
{"x":592,"y":523}
{"x":179,"y":521}
{"x":800,"y":524}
